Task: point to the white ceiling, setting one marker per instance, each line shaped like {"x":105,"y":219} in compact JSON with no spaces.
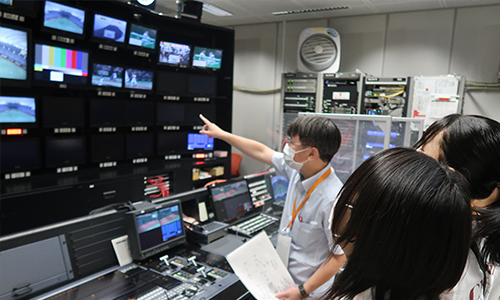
{"x":260,"y":11}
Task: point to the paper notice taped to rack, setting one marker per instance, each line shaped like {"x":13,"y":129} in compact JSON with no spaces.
{"x":438,"y":109}
{"x":259,"y":268}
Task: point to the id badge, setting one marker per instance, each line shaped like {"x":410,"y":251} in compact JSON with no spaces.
{"x":283,"y":247}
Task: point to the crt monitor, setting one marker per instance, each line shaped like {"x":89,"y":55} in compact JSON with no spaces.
{"x":142,"y":37}
{"x":155,"y":229}
{"x":63,"y":18}
{"x":13,"y":54}
{"x":109,"y":28}
{"x":18,"y":111}
{"x":61,"y":65}
{"x":174,"y":54}
{"x":207,"y":58}
{"x":231,"y":200}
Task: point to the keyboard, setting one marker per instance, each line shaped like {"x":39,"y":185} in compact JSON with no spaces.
{"x":254,"y":225}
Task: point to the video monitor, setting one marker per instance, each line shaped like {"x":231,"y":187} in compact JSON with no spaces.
{"x":138,"y":79}
{"x":260,"y":188}
{"x":139,"y":145}
{"x":155,"y":229}
{"x":64,"y":151}
{"x":171,"y":83}
{"x":202,"y":85}
{"x":231,"y":200}
{"x":61,"y":65}
{"x":106,"y":112}
{"x":18,"y":110}
{"x":169,"y":113}
{"x":20,"y":154}
{"x":109,"y":28}
{"x":22,"y":7}
{"x":207,"y":58}
{"x":139,"y":113}
{"x":171,"y":142}
{"x":107,"y":75}
{"x":174,"y":54}
{"x":13,"y":53}
{"x":62,"y":112}
{"x":107,"y":147}
{"x":193,"y":111}
{"x":280,"y":188}
{"x":142,"y":37}
{"x":200,"y":141}
{"x":64,"y":18}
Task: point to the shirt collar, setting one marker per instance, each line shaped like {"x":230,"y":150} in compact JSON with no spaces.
{"x":308,"y":183}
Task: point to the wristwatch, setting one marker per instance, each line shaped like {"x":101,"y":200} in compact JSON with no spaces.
{"x":303,"y":293}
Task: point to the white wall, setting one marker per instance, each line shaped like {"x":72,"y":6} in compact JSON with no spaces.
{"x":465,"y":41}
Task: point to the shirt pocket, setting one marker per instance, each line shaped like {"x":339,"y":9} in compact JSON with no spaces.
{"x":306,"y":233}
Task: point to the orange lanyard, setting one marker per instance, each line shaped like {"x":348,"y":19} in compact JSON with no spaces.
{"x":296,"y":211}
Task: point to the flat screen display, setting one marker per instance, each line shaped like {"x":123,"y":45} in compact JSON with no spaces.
{"x":138,"y":79}
{"x":202,"y":85}
{"x":63,"y":112}
{"x":139,"y":113}
{"x":57,"y":64}
{"x":63,"y":17}
{"x":207,"y":58}
{"x":139,"y":145}
{"x":172,"y":83}
{"x":109,"y":28}
{"x":107,"y":147}
{"x":200,"y":141}
{"x":19,"y":155}
{"x":142,"y":37}
{"x":17,"y":110}
{"x":171,"y":142}
{"x":193,"y":111}
{"x":107,"y":75}
{"x":231,"y":200}
{"x":174,"y":54}
{"x":13,"y":53}
{"x":64,"y":151}
{"x":106,"y":112}
{"x":169,"y":113}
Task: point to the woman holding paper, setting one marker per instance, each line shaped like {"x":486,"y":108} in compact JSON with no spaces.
{"x":404,"y":222}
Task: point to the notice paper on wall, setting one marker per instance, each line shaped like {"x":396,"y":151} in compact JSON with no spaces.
{"x":259,"y":268}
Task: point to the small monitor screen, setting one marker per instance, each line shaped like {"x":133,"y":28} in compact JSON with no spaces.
{"x":109,"y":28}
{"x":63,"y":17}
{"x":13,"y":53}
{"x":280,"y":188}
{"x":106,"y":112}
{"x":171,"y":142}
{"x":63,"y":112}
{"x":142,"y":37}
{"x":138,"y":79}
{"x":231,"y":200}
{"x":207,"y":58}
{"x":200,"y":141}
{"x":174,"y":54}
{"x":107,"y":75}
{"x":168,"y":113}
{"x":139,"y":113}
{"x":139,"y":145}
{"x":19,"y":155}
{"x":64,"y":151}
{"x":202,"y":85}
{"x":17,"y":110}
{"x":172,"y":83}
{"x":57,"y":64}
{"x":107,"y":147}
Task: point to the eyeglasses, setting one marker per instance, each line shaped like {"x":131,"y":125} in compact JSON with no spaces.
{"x":289,"y":141}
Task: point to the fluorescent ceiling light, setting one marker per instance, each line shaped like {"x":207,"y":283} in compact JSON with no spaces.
{"x":214,"y":10}
{"x":309,"y":10}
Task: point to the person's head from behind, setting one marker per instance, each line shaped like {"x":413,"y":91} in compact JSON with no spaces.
{"x":404,"y":222}
{"x":312,"y":138}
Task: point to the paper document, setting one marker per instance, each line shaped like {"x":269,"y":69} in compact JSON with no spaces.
{"x":259,"y":268}
{"x":122,"y":250}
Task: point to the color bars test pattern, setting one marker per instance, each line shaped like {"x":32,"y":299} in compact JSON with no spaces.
{"x":68,"y":61}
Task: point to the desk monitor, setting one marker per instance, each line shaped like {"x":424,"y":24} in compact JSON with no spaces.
{"x":155,"y":229}
{"x":207,"y":58}
{"x":142,"y":37}
{"x":260,"y":188}
{"x":63,"y":112}
{"x":231,"y":200}
{"x":61,"y":65}
{"x":174,"y":54}
{"x":280,"y":188}
{"x":110,"y":29}
{"x":18,"y":111}
{"x":63,"y":18}
{"x":13,"y":54}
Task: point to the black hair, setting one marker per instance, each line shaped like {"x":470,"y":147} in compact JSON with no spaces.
{"x":319,"y":132}
{"x":410,"y":220}
{"x":471,"y":146}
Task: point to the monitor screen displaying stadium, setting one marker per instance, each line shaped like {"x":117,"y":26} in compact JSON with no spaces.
{"x":200,"y":141}
{"x":142,"y":37}
{"x":174,"y":54}
{"x":63,"y":17}
{"x":109,"y":28}
{"x":138,"y":79}
{"x":207,"y":58}
{"x":107,"y":75}
{"x":13,"y":53}
{"x":57,"y":64}
{"x":17,"y":110}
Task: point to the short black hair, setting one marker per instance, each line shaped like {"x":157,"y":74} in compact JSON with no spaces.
{"x":471,"y":146}
{"x":410,"y":220}
{"x":319,"y":132}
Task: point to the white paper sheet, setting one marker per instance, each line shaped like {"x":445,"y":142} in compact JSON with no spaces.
{"x":122,"y":250}
{"x":259,"y":268}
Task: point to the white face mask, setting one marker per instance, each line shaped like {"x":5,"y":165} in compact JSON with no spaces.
{"x":289,"y":154}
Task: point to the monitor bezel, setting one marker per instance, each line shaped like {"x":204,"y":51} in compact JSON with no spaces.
{"x":61,"y":32}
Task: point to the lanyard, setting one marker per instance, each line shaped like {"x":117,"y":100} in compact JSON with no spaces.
{"x":296,"y":211}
